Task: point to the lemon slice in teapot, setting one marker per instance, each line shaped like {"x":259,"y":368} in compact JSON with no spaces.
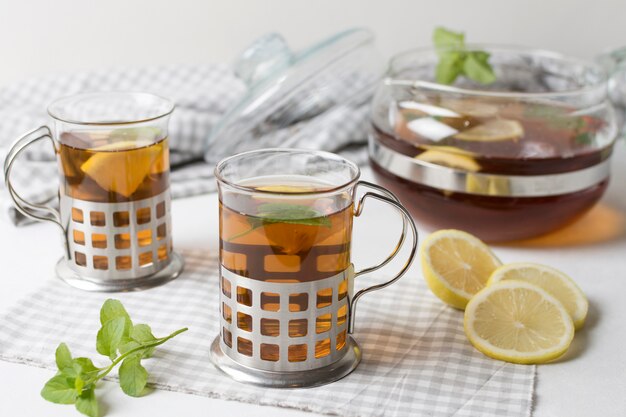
{"x":472,"y":108}
{"x":443,"y":156}
{"x":493,"y":131}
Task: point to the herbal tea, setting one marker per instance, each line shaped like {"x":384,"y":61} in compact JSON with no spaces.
{"x":502,"y":138}
{"x":287,"y":237}
{"x":113,"y":169}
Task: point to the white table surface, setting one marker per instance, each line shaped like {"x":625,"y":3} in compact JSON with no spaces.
{"x":589,"y":381}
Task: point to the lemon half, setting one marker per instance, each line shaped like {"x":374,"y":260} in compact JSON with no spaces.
{"x":518,"y":322}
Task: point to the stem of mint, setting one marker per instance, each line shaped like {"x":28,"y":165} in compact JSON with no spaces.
{"x":122,"y":342}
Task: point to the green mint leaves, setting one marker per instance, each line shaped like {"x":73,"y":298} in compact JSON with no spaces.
{"x":118,"y":339}
{"x":455,"y":60}
{"x":272,"y":213}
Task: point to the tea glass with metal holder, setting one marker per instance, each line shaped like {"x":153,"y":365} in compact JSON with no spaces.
{"x":287,"y":298}
{"x":114,"y":198}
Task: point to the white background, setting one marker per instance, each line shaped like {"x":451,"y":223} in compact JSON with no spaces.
{"x":40,"y":36}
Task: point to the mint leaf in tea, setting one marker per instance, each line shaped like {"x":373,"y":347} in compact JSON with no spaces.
{"x":288,"y":231}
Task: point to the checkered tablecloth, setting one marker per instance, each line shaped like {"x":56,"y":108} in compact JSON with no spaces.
{"x":416,"y":361}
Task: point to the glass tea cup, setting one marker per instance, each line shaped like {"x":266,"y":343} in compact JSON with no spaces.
{"x":287,"y":298}
{"x":114,"y":199}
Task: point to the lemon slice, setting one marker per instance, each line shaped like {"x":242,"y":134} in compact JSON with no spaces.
{"x":456,"y":265}
{"x":472,"y":108}
{"x":121,"y":166}
{"x":493,"y":131}
{"x":518,"y":322}
{"x":449,"y":149}
{"x":487,"y":185}
{"x":287,"y":189}
{"x":451,"y":160}
{"x":555,"y":282}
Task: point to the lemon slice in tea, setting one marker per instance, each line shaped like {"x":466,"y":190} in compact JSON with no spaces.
{"x":121,"y":167}
{"x":493,"y":131}
{"x":555,"y":282}
{"x":456,"y":265}
{"x":518,"y":322}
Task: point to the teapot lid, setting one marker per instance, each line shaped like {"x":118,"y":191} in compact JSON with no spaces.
{"x":287,"y":89}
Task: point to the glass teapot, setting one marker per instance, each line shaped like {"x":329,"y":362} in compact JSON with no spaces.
{"x":516,"y":158}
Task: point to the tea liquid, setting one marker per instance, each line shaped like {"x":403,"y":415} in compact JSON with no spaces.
{"x":288,"y":237}
{"x":534,"y":139}
{"x":110,"y":171}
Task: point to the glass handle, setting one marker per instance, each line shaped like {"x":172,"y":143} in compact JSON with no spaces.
{"x":37,"y":212}
{"x":387,"y":197}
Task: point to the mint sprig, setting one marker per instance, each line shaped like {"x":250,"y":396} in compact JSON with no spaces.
{"x":272,"y":213}
{"x":455,"y":60}
{"x":118,"y":339}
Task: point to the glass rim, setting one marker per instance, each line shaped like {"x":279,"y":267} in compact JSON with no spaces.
{"x":325,"y":154}
{"x":520,"y":50}
{"x":170,"y":106}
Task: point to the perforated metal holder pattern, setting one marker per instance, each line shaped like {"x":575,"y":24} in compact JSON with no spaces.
{"x":244,"y":336}
{"x":118,"y":241}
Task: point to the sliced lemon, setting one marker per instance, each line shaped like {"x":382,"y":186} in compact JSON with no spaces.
{"x":456,"y":265}
{"x":493,"y":131}
{"x":518,"y":322}
{"x":487,"y":185}
{"x":451,"y":160}
{"x":121,"y":166}
{"x":287,"y":189}
{"x":449,"y":149}
{"x":472,"y":108}
{"x":555,"y":282}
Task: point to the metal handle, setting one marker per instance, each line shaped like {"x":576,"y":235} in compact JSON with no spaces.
{"x":34,"y":211}
{"x":391,"y":199}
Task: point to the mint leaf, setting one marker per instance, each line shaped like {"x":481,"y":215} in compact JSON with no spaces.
{"x":110,"y":336}
{"x":79,"y":384}
{"x":128,"y":346}
{"x":477,"y":68}
{"x":76,"y":380}
{"x":455,"y":60}
{"x":112,"y":309}
{"x":85,"y":367}
{"x":272,"y":213}
{"x":142,"y":334}
{"x":450,"y":66}
{"x":444,"y":38}
{"x":60,"y":389}
{"x":133,"y":376}
{"x":292,"y":214}
{"x":87,"y":404}
{"x":63,"y":357}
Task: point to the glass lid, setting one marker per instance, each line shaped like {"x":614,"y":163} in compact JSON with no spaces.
{"x":288,"y":91}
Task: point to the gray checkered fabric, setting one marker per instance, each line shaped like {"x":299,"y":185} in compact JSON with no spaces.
{"x":202,"y":94}
{"x":416,"y":358}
